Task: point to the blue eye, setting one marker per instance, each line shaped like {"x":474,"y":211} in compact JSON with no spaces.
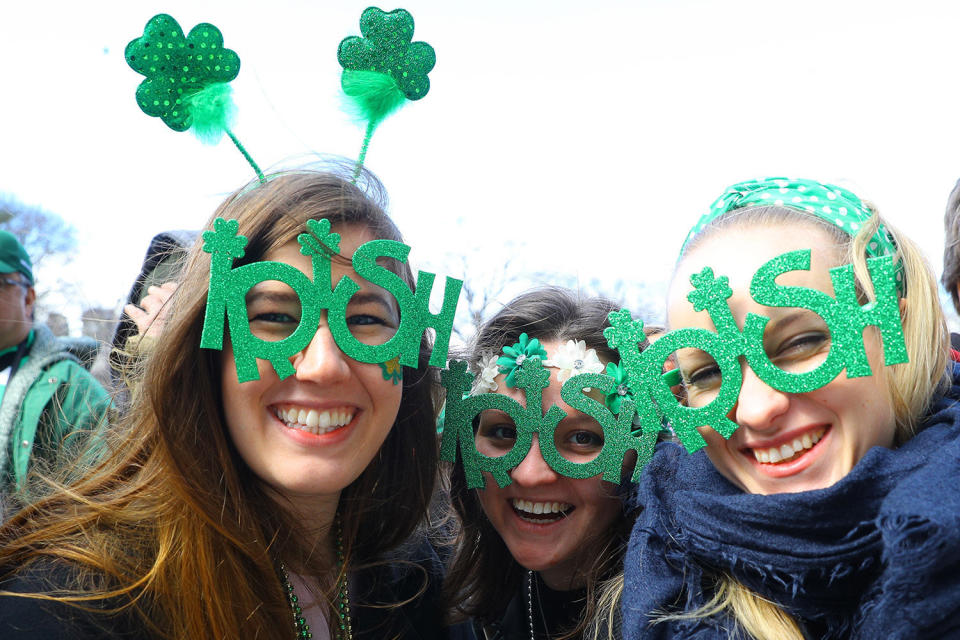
{"x":500,"y":432}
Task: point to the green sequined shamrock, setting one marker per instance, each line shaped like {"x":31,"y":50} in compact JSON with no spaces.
{"x":514,"y":356}
{"x":620,"y":390}
{"x":383,"y":68}
{"x":186,"y":80}
{"x":178,"y":67}
{"x":387,"y":48}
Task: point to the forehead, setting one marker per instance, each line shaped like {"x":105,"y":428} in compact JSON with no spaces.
{"x":351,"y":237}
{"x":737,"y":252}
{"x":551,"y":394}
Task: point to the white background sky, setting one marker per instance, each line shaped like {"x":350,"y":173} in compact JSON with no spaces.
{"x":587,"y":135}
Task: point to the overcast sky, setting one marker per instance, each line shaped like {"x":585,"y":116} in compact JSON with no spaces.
{"x":586,"y":136}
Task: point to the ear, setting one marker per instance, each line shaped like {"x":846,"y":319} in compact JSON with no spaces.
{"x":31,"y":297}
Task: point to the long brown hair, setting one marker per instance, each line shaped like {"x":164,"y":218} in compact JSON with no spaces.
{"x":484,"y":576}
{"x":169,"y":523}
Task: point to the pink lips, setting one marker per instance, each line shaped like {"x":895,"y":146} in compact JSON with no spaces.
{"x":794,"y":466}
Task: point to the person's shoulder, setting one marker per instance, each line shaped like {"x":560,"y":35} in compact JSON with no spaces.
{"x":24,"y":616}
{"x":400,"y":595}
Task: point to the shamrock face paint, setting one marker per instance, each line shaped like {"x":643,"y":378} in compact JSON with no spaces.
{"x":230,"y":287}
{"x":787,"y":441}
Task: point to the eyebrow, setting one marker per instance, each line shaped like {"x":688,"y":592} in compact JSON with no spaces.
{"x":577,"y":418}
{"x":268,"y":295}
{"x":787,"y":320}
{"x":374,"y":297}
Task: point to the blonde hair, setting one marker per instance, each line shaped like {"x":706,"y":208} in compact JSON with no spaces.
{"x":758,"y":617}
{"x":911,"y":386}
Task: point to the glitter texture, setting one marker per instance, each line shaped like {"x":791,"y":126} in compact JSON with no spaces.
{"x":386,"y":48}
{"x":228,"y":288}
{"x":844,"y":316}
{"x":177,"y":67}
{"x":531,"y":376}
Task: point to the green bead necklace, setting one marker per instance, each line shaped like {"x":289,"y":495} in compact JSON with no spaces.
{"x":344,"y":630}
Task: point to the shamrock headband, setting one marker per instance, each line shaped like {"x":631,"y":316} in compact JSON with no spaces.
{"x":651,"y":398}
{"x":187,"y":78}
{"x":835,"y":205}
{"x":525,"y":366}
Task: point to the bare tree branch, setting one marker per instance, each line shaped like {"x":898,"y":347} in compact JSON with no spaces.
{"x":42,"y":233}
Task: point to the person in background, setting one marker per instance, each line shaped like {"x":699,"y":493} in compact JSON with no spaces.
{"x":147,"y":308}
{"x":47,"y":391}
{"x":951,"y":256}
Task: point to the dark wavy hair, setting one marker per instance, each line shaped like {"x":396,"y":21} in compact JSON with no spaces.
{"x":483,"y":576}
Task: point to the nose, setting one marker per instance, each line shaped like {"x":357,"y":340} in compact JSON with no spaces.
{"x":533,"y":469}
{"x":322,"y":361}
{"x":758,"y":405}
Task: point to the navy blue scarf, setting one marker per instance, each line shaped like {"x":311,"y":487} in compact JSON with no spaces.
{"x":877,"y":555}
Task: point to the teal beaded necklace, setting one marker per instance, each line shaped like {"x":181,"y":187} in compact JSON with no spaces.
{"x":344,"y":630}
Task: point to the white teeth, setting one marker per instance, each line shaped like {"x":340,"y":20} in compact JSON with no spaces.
{"x":540,"y":508}
{"x":774,"y":455}
{"x":313,"y":421}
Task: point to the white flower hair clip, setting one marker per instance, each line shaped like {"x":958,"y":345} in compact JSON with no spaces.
{"x":574,"y":358}
{"x":489,"y":370}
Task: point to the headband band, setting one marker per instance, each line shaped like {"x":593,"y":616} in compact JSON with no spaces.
{"x":838,"y":206}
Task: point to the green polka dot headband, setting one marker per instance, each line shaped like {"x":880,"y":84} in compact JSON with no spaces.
{"x":836,"y":205}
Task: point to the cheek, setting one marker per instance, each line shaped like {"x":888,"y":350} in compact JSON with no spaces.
{"x":604,"y":503}
{"x":490,"y":496}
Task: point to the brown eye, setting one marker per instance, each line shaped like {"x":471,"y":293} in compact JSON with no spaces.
{"x":586,"y":439}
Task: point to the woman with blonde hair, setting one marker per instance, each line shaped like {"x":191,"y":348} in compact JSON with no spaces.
{"x":831,"y":508}
{"x":233,"y":502}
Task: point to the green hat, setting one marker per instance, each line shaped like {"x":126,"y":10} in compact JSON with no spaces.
{"x":13,"y":257}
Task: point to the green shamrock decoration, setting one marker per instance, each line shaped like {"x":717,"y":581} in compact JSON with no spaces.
{"x":515,"y":355}
{"x":186,"y":80}
{"x":319,"y":240}
{"x":224,"y":239}
{"x":387,"y":48}
{"x":620,"y":391}
{"x":383,"y":68}
{"x":177,"y":68}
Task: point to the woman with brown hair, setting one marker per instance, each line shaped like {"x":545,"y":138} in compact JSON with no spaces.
{"x":537,"y":558}
{"x":277,"y":507}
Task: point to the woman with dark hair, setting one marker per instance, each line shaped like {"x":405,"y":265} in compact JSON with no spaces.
{"x":535,"y":558}
{"x":276,"y":507}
